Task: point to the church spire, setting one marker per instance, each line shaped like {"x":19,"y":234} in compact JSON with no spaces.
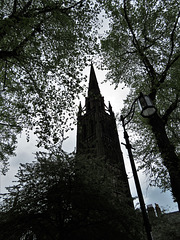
{"x":80,"y":109}
{"x":94,"y":99}
{"x":93,"y":84}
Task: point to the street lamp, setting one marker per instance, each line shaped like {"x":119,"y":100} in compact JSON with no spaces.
{"x":146,"y":106}
{"x":147,"y":110}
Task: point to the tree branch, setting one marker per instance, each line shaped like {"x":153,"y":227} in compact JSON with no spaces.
{"x":4,"y":54}
{"x":171,"y":62}
{"x":171,"y":108}
{"x":9,"y":125}
{"x":26,"y":6}
{"x":14,"y":7}
{"x":145,"y":60}
{"x":7,"y":54}
{"x":47,"y":9}
{"x":16,"y":14}
{"x":172,"y":38}
{"x":15,"y":52}
{"x":153,"y":41}
{"x":164,"y":74}
{"x":5,"y":76}
{"x":37,"y":28}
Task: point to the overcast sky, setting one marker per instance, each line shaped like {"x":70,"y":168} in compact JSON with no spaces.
{"x":25,"y":150}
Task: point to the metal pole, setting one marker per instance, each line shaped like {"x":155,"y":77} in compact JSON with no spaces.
{"x":138,"y":187}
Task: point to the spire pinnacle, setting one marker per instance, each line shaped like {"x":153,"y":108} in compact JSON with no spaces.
{"x":93,"y":84}
{"x":80,"y":109}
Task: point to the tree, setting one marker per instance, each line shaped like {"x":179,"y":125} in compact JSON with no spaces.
{"x":44,"y":47}
{"x":142,"y":49}
{"x":59,"y":197}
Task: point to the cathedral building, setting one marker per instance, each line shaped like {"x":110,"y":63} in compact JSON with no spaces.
{"x":97,"y":135}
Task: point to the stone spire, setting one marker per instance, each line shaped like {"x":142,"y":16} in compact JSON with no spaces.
{"x":80,"y":110}
{"x":93,"y":84}
{"x":94,"y":100}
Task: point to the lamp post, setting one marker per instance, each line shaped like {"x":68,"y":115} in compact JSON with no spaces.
{"x":147,"y":110}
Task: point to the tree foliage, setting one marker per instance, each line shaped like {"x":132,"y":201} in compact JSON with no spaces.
{"x":57,"y":197}
{"x":142,"y":50}
{"x":44,"y":47}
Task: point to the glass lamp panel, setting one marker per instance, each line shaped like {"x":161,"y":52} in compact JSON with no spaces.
{"x":149,"y":111}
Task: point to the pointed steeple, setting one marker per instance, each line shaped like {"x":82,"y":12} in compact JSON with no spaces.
{"x":94,"y":100}
{"x":80,"y":110}
{"x":93,"y":84}
{"x":110,"y":110}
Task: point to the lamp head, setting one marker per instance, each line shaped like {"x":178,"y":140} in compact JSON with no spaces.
{"x":146,"y":106}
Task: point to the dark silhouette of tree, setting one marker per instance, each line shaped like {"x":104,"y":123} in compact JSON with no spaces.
{"x":61,"y":198}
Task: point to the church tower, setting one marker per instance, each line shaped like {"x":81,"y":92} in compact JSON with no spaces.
{"x":97,"y":133}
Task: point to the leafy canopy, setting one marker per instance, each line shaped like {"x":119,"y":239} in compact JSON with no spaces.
{"x":142,"y":50}
{"x":44,"y":45}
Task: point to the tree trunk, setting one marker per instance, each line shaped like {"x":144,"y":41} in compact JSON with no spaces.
{"x":170,"y":158}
